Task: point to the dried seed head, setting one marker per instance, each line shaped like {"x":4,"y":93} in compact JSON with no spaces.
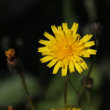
{"x":15,"y":65}
{"x":10,"y":54}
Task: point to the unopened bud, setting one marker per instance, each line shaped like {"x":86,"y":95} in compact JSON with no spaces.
{"x":96,"y":29}
{"x":88,"y":82}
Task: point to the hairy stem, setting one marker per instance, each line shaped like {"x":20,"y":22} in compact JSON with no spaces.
{"x":26,"y":90}
{"x":65,"y":92}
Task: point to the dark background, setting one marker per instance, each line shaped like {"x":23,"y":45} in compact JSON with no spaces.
{"x":23,"y":22}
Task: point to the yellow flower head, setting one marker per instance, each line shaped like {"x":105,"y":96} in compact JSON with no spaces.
{"x":10,"y":107}
{"x":73,"y":108}
{"x":66,"y":48}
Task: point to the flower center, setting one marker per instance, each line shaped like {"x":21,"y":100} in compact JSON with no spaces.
{"x":66,"y":50}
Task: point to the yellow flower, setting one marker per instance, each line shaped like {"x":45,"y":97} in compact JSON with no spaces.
{"x":10,"y":107}
{"x":65,"y":49}
{"x":73,"y":108}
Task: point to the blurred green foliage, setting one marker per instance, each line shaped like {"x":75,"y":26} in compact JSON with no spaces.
{"x":12,"y":91}
{"x":54,"y":96}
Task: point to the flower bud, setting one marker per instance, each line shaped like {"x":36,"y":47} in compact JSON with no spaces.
{"x":88,"y":82}
{"x":96,"y":28}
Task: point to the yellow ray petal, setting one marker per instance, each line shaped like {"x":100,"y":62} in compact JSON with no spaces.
{"x":84,"y":54}
{"x":65,"y":27}
{"x":71,"y":67}
{"x":89,"y":44}
{"x":46,"y":53}
{"x":49,"y":36}
{"x":64,"y":62}
{"x":91,"y":51}
{"x":44,"y":42}
{"x":52,"y":63}
{"x":88,"y":52}
{"x":76,"y":37}
{"x":74,"y":28}
{"x":43,"y":49}
{"x":54,"y":29}
{"x":60,"y":31}
{"x":56,"y":68}
{"x":82,"y":63}
{"x":86,"y":38}
{"x":78,"y":67}
{"x":46,"y":59}
{"x":64,"y":70}
{"x":59,"y":34}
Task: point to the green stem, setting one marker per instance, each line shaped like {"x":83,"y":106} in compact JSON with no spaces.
{"x":82,"y":89}
{"x":88,"y":96}
{"x":73,"y":86}
{"x":87,"y":76}
{"x":84,"y":84}
{"x":26,"y":90}
{"x":65,"y":92}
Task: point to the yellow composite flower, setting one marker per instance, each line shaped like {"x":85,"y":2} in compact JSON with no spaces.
{"x":10,"y":107}
{"x":73,"y":108}
{"x":66,"y":48}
